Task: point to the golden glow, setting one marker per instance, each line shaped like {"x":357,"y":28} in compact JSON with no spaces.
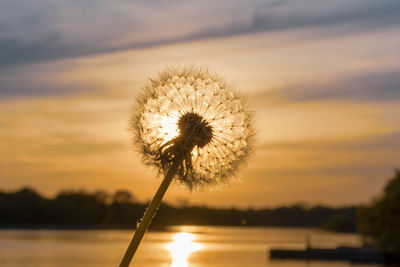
{"x":168,"y":128}
{"x":176,"y":92}
{"x":181,"y":247}
{"x":79,"y":139}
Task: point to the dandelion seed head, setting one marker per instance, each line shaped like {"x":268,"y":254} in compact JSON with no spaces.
{"x":191,"y":115}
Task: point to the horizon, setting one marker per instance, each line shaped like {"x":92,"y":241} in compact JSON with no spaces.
{"x":180,"y":203}
{"x":322,"y":78}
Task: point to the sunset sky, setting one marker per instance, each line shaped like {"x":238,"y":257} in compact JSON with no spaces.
{"x":323,"y":78}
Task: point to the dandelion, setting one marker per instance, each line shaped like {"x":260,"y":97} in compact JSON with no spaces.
{"x":192,"y":128}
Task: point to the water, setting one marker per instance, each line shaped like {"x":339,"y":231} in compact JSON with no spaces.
{"x":183,"y":246}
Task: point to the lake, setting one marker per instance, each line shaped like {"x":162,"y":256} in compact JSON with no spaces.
{"x":182,"y":246}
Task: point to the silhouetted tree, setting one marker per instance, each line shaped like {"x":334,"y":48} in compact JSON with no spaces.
{"x":123,"y":212}
{"x":381,"y":219}
{"x":70,"y":207}
{"x":123,"y":196}
{"x":24,"y":205}
{"x":102,"y":196}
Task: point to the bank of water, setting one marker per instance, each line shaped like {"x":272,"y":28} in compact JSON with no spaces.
{"x":183,"y":246}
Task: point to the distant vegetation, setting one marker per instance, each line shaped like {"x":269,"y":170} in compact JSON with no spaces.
{"x":79,"y":209}
{"x":380,"y":220}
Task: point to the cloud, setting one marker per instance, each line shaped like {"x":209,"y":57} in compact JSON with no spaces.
{"x":23,"y":85}
{"x":46,"y":30}
{"x":327,"y":172}
{"x":80,"y":148}
{"x":361,"y":87}
{"x":14,"y":51}
{"x":363,"y":165}
{"x":388,"y":141}
{"x":367,"y":156}
{"x":41,"y":81}
{"x":296,"y":14}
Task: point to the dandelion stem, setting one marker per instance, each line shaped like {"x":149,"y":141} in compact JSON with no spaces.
{"x":148,"y":215}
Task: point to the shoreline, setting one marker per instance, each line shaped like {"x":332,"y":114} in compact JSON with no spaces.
{"x":154,"y":228}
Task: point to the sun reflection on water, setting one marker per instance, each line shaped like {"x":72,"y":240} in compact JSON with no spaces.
{"x":181,"y":247}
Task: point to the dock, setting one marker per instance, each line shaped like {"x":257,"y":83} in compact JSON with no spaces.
{"x":352,"y":254}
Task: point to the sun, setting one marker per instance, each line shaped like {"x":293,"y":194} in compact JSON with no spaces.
{"x":181,"y":248}
{"x":167,"y":126}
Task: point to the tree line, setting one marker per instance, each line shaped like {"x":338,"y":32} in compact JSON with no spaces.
{"x":80,"y":209}
{"x":378,"y":220}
